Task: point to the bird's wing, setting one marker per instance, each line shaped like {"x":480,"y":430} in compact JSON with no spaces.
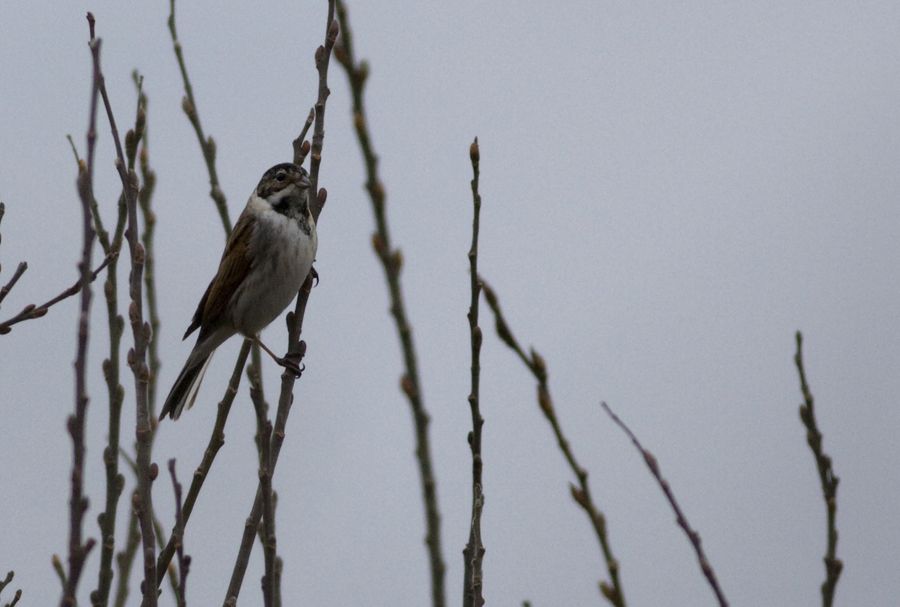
{"x":233,"y":269}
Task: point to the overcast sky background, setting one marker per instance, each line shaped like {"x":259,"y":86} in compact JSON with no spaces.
{"x":670,"y":191}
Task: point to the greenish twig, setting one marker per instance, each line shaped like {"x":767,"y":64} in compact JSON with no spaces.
{"x":827,"y":478}
{"x":391,"y":260}
{"x":207,"y":144}
{"x":581,"y":493}
{"x":473,"y":554}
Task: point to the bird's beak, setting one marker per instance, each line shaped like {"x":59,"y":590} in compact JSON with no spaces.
{"x":303,"y":182}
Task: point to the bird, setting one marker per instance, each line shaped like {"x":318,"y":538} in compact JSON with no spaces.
{"x":267,"y":257}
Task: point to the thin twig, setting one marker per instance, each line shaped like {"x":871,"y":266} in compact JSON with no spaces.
{"x":137,"y":357}
{"x":5,"y":289}
{"x":473,"y":554}
{"x":682,"y":521}
{"x":10,"y":575}
{"x":125,"y":559}
{"x":184,"y":561}
{"x":145,"y":198}
{"x":301,"y":145}
{"x":267,"y":529}
{"x":323,"y":57}
{"x":207,"y":144}
{"x":391,"y":260}
{"x":78,"y":503}
{"x":581,"y":494}
{"x":828,"y":479}
{"x":32,"y":311}
{"x":114,"y":480}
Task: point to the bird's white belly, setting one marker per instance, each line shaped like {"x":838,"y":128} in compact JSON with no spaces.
{"x":283,"y":256}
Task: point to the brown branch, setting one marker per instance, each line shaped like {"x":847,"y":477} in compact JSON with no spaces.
{"x":581,"y":494}
{"x":78,"y":503}
{"x":473,"y":554}
{"x":9,"y":576}
{"x":137,"y":356}
{"x":323,"y":57}
{"x":267,"y":529}
{"x":32,"y":311}
{"x":300,"y":144}
{"x":827,"y":478}
{"x":125,"y":559}
{"x":145,"y":198}
{"x":207,"y":144}
{"x":114,"y":480}
{"x":184,"y":561}
{"x":216,"y":440}
{"x":682,"y":521}
{"x":391,"y":261}
{"x":20,"y":269}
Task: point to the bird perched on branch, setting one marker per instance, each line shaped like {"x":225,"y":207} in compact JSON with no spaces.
{"x":267,"y":257}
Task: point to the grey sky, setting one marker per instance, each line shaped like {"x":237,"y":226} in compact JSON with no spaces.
{"x":670,"y":190}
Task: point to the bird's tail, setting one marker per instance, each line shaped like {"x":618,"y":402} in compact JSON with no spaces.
{"x":184,"y":392}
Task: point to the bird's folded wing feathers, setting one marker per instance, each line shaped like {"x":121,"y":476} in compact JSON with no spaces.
{"x":233,"y":269}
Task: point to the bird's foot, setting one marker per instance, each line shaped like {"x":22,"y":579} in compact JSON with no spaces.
{"x":315,"y":275}
{"x":291,"y":362}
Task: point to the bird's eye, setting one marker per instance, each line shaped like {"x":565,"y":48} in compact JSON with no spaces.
{"x":281,"y":176}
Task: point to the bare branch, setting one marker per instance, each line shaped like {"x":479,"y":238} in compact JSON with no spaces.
{"x":78,"y":503}
{"x":114,"y":480}
{"x":184,"y":561}
{"x":138,"y":354}
{"x":5,"y":289}
{"x":391,"y":260}
{"x":323,"y":56}
{"x":682,"y":521}
{"x":301,"y":145}
{"x":267,"y":531}
{"x":828,"y":479}
{"x":473,"y":554}
{"x":581,"y":494}
{"x":9,"y":576}
{"x":31,"y":311}
{"x":207,"y":144}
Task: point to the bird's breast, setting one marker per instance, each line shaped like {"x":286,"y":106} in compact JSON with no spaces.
{"x":282,"y":254}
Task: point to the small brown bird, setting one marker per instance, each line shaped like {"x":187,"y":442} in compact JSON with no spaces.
{"x":267,"y":257}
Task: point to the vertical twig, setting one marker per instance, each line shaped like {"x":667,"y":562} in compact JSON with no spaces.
{"x":184,"y":561}
{"x":207,"y":144}
{"x":323,"y":57}
{"x":9,"y":576}
{"x":581,"y":493}
{"x":473,"y":554}
{"x":114,"y":480}
{"x":141,"y":332}
{"x":828,"y":479}
{"x":267,"y":529}
{"x":78,"y":503}
{"x":682,"y":521}
{"x":391,"y":261}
